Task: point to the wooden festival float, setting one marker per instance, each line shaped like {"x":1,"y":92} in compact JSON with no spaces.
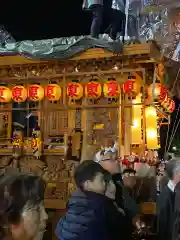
{"x":55,"y":113}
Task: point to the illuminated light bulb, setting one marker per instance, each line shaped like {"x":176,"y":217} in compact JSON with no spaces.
{"x":135,"y":123}
{"x":134,"y":101}
{"x":115,"y":67}
{"x":76,"y":69}
{"x":152,"y":133}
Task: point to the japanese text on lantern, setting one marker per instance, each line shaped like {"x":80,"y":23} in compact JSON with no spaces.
{"x":72,"y":90}
{"x":33,"y":92}
{"x":113,"y":89}
{"x":92,"y":90}
{"x":128,"y":86}
{"x":2,"y":97}
{"x":17,"y":93}
{"x":50,"y":92}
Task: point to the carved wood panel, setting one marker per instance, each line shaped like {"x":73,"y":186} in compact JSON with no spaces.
{"x":101,"y":126}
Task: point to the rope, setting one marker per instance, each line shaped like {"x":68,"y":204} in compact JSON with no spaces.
{"x":174,"y":125}
{"x":173,"y":135}
{"x":153,"y":86}
{"x":175,"y":80}
{"x":167,"y":136}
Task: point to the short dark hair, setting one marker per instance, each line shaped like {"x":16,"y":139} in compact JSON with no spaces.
{"x":129,"y":171}
{"x":17,"y":190}
{"x":87,"y":170}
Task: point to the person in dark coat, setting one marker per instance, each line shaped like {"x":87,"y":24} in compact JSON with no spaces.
{"x":165,"y":203}
{"x":176,"y":221}
{"x":90,"y":213}
{"x":110,"y":163}
{"x":118,"y":18}
{"x":96,"y":6}
{"x":108,"y":160}
{"x":118,"y":221}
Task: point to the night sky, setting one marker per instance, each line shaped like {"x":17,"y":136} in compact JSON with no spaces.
{"x":35,"y":20}
{"x":29,"y":21}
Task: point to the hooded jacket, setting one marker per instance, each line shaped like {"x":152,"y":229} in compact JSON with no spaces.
{"x":85,"y":218}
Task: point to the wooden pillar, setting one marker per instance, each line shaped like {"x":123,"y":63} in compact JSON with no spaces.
{"x":120,"y":127}
{"x":127,"y":128}
{"x":87,"y":147}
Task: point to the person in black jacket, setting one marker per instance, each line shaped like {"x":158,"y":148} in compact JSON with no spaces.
{"x":176,"y":220}
{"x":108,"y":160}
{"x":117,"y":220}
{"x":165,"y":203}
{"x":96,"y":6}
{"x":89,"y":211}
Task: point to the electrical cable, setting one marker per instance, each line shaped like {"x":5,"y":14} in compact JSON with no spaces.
{"x":170,"y":142}
{"x":174,"y":125}
{"x":167,"y":136}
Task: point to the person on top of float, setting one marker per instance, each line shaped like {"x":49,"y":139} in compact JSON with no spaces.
{"x":96,"y":6}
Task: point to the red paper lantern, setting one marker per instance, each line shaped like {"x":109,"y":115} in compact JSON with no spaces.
{"x":35,"y":93}
{"x":74,"y":90}
{"x":93,"y":90}
{"x":163,"y":93}
{"x":53,"y":92}
{"x":166,"y":101}
{"x":128,"y":86}
{"x":133,"y":84}
{"x":5,"y":94}
{"x":171,"y":106}
{"x":19,"y":93}
{"x":111,"y":89}
{"x":160,"y":91}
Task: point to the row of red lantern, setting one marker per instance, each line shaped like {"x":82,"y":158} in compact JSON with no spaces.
{"x":34,"y":93}
{"x":161,"y":95}
{"x":93,"y":90}
{"x":111,"y":89}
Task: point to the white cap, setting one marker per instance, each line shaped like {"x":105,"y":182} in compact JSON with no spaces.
{"x":104,"y":154}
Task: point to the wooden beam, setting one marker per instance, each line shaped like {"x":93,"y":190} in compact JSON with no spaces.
{"x":149,"y":48}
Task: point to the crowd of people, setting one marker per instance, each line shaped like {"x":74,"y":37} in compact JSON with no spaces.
{"x":100,"y":208}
